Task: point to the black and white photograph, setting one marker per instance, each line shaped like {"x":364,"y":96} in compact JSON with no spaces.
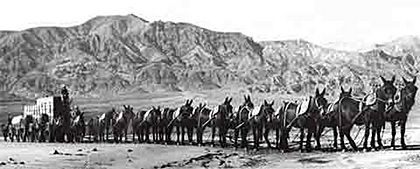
{"x":162,"y":84}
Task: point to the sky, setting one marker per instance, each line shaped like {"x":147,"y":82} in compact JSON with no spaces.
{"x":343,"y":24}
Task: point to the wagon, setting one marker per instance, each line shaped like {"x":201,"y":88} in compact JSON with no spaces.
{"x":45,"y":105}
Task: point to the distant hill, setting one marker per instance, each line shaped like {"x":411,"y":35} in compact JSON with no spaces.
{"x":113,"y":54}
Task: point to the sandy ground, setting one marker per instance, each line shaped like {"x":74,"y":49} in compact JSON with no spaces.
{"x":108,"y":155}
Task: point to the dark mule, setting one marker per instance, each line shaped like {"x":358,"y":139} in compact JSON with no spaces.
{"x":151,"y":122}
{"x":199,"y":118}
{"x":374,"y":113}
{"x":241,"y":120}
{"x":77,"y":128}
{"x":181,"y":120}
{"x":399,"y":112}
{"x":93,"y":129}
{"x":165,"y":127}
{"x":329,"y":118}
{"x":5,"y":131}
{"x":258,"y":120}
{"x":106,"y":122}
{"x":219,"y":119}
{"x":137,"y":119}
{"x":121,"y":125}
{"x":43,"y":128}
{"x":302,"y":116}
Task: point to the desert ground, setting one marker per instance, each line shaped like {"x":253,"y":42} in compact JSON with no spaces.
{"x":129,"y":155}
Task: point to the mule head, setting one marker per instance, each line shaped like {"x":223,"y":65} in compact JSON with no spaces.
{"x":228,"y":105}
{"x":320,"y":101}
{"x":409,"y":91}
{"x":198,"y":110}
{"x":157,"y":113}
{"x":268,"y":110}
{"x":387,"y":91}
{"x":128,"y":112}
{"x":186,"y":110}
{"x":345,"y":94}
{"x":248,"y":103}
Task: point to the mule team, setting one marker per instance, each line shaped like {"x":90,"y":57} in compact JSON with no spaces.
{"x":386,"y":103}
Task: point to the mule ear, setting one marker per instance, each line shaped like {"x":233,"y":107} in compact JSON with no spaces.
{"x":272,"y":103}
{"x":393,"y":79}
{"x":230,"y":100}
{"x":317,"y":92}
{"x":323,"y":92}
{"x":405,"y":80}
{"x":414,"y":79}
{"x":342,"y":89}
{"x":191,"y":102}
{"x":383,"y":79}
{"x":245,"y":97}
{"x":265,"y":102}
{"x":351,"y":89}
{"x":249,"y":98}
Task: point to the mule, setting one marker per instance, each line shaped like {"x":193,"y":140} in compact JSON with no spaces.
{"x":399,"y":112}
{"x":93,"y":129}
{"x":150,"y":122}
{"x":302,"y":116}
{"x":241,"y":119}
{"x":199,"y":118}
{"x":106,"y":123}
{"x":137,"y":119}
{"x":181,"y":120}
{"x":165,"y":126}
{"x":5,"y":131}
{"x":77,"y":127}
{"x":43,"y":128}
{"x":219,"y":121}
{"x":121,"y":125}
{"x":259,"y":119}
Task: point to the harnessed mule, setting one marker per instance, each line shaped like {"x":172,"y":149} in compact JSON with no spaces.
{"x":181,"y":120}
{"x":399,"y":112}
{"x":242,"y":121}
{"x":258,"y":120}
{"x":302,"y":116}
{"x":122,"y":123}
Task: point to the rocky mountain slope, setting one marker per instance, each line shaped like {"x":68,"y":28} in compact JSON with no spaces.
{"x":113,"y":54}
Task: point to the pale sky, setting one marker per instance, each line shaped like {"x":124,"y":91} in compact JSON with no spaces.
{"x":356,"y":22}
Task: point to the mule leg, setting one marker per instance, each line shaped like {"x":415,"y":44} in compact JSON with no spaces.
{"x":372,"y":141}
{"x":277,"y":137}
{"x":283,"y":139}
{"x":343,"y":146}
{"x":182,"y":135}
{"x":403,"y":145}
{"x":256,"y":137}
{"x":335,"y":137}
{"x":190,"y":131}
{"x":309,"y":138}
{"x":178,"y":135}
{"x":213,"y":134}
{"x":236,"y":135}
{"x":221,"y":137}
{"x":266,"y":133}
{"x":366,"y":137}
{"x":244,"y":133}
{"x":351,"y":141}
{"x":393,"y":132}
{"x":378,"y":137}
{"x":302,"y":136}
{"x":318,"y":137}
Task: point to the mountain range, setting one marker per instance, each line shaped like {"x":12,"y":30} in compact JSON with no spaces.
{"x":115,"y":54}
